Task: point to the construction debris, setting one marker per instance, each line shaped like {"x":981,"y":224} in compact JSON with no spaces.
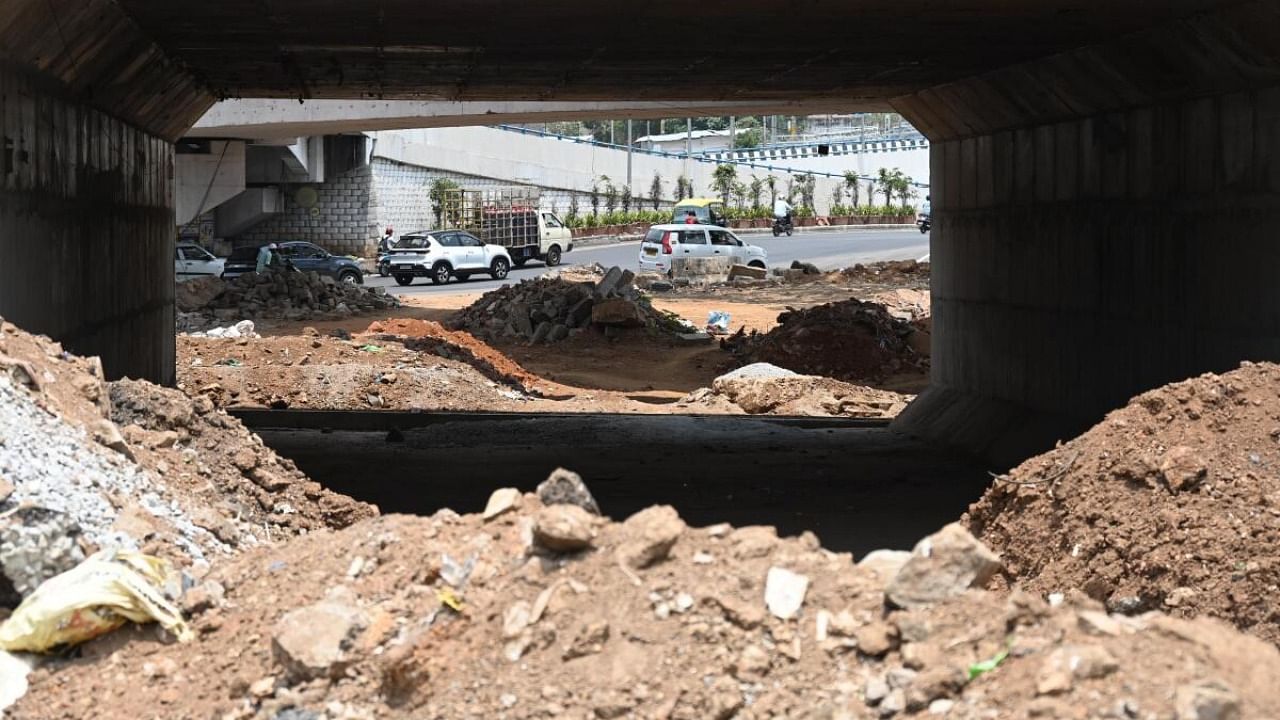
{"x":287,"y":295}
{"x":851,"y":340}
{"x":568,"y":615}
{"x":764,"y":389}
{"x":549,"y":310}
{"x":132,"y":466}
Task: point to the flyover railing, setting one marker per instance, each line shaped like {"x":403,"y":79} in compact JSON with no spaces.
{"x":709,"y":159}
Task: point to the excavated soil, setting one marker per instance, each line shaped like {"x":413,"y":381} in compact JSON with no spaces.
{"x":1170,"y":503}
{"x":854,"y":341}
{"x":454,"y":617}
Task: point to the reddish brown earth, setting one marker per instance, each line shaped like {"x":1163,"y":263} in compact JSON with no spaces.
{"x":1171,"y":503}
{"x":594,"y":633}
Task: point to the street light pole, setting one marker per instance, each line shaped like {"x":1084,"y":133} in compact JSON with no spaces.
{"x":628,"y":152}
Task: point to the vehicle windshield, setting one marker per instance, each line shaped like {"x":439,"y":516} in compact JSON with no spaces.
{"x":412,"y":242}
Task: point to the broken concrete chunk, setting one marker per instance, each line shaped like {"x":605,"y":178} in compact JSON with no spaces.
{"x":106,"y":434}
{"x":1207,"y":701}
{"x":564,"y":487}
{"x":784,"y":592}
{"x":564,"y":528}
{"x":618,"y":312}
{"x":747,"y":271}
{"x":942,"y":566}
{"x":502,"y":500}
{"x":885,"y":563}
{"x":316,"y":641}
{"x":6,"y":489}
{"x":652,"y":533}
{"x":1183,"y":468}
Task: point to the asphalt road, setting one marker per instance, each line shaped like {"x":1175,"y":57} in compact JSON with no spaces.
{"x":827,"y":250}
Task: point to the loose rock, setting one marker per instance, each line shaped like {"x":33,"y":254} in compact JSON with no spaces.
{"x":942,"y":566}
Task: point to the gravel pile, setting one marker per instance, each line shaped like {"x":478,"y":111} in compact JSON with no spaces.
{"x":87,"y":465}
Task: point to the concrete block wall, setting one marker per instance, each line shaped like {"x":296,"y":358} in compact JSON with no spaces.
{"x":342,"y":220}
{"x":401,"y":194}
{"x":86,"y":228}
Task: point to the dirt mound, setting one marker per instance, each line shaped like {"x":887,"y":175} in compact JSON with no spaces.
{"x":893,"y":272}
{"x":550,"y":611}
{"x":433,"y":338}
{"x":1171,"y":503}
{"x":88,"y":464}
{"x":851,"y":340}
{"x":788,"y":393}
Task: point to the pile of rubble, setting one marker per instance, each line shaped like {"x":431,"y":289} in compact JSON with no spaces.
{"x":539,"y":607}
{"x":851,"y":340}
{"x":1171,"y":503}
{"x":893,"y":272}
{"x":548,"y":310}
{"x":764,"y":389}
{"x":282,"y":294}
{"x":86,"y":464}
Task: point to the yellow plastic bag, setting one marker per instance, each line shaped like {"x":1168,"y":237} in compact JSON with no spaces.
{"x":97,"y":596}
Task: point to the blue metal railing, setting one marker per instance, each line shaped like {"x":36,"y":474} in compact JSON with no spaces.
{"x":682,"y":156}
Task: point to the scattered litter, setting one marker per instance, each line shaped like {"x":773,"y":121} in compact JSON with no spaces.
{"x":92,"y":599}
{"x":718,"y":322}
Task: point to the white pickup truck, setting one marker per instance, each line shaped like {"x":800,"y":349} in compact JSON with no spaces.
{"x":526,"y":233}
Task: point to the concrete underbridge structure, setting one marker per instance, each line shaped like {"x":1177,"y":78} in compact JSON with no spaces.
{"x":1106,"y":175}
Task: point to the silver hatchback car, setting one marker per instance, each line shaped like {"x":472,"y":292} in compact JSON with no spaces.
{"x":663,"y":243}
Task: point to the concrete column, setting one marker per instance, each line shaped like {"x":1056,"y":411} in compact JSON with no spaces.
{"x":86,"y":228}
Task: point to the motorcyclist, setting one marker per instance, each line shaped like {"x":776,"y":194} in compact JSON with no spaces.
{"x":782,"y":211}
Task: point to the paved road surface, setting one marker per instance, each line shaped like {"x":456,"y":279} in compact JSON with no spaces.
{"x":824,"y":249}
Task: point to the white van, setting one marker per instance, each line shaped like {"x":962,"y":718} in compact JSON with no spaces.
{"x":665,"y":242}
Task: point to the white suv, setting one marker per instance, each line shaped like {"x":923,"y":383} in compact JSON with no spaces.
{"x":663,"y":243}
{"x":445,"y":254}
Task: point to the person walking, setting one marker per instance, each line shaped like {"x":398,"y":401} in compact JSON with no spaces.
{"x":266,"y":256}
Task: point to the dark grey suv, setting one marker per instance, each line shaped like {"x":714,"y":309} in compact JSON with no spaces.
{"x":305,"y":256}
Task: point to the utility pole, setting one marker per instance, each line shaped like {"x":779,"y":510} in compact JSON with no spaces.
{"x":628,"y":152}
{"x":733,"y":132}
{"x":611,"y":123}
{"x":688,"y":146}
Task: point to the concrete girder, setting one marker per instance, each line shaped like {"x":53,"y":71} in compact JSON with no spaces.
{"x":266,"y":119}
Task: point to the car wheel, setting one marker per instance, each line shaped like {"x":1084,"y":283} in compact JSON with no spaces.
{"x":553,"y":256}
{"x":404,"y":280}
{"x":500,"y":268}
{"x":440,"y":274}
{"x":349,"y":277}
{"x":756,"y":264}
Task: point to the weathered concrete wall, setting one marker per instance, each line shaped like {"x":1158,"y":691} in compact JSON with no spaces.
{"x":86,"y":228}
{"x":1101,"y":239}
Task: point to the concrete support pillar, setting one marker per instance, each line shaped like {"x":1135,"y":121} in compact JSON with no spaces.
{"x":1105,"y":238}
{"x":86,"y":228}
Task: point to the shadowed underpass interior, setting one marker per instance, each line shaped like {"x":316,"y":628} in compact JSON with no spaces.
{"x":858,"y":488}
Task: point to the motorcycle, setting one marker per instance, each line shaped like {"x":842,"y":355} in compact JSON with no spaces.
{"x":922,"y":222}
{"x":782,"y":225}
{"x":384,"y":265}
